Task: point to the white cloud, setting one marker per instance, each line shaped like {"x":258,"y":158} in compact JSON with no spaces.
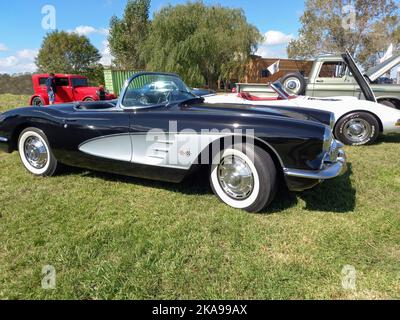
{"x":3,"y":47}
{"x":107,"y":58}
{"x":275,"y":38}
{"x":22,"y":61}
{"x":87,"y":30}
{"x":274,"y":44}
{"x":8,"y":62}
{"x":28,"y":54}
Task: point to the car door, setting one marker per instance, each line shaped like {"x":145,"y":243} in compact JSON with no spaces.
{"x":63,"y":90}
{"x":42,"y":91}
{"x":333,"y":80}
{"x":96,"y":139}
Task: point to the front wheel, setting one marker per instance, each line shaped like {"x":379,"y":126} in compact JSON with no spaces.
{"x":357,"y":129}
{"x":244,"y":177}
{"x":35,"y":153}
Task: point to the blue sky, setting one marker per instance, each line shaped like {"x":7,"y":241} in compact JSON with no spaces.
{"x":21,"y":30}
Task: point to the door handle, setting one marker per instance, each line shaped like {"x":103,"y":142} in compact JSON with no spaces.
{"x":319,"y":81}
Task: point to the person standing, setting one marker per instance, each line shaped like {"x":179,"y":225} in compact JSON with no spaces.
{"x":101,"y":93}
{"x":51,"y":88}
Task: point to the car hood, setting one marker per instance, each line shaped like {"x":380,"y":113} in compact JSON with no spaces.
{"x":381,"y":69}
{"x":246,"y":110}
{"x":359,"y":77}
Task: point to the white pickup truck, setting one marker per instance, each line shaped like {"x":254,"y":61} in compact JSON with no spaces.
{"x":330,"y":76}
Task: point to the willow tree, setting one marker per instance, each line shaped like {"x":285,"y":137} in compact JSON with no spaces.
{"x":365,"y":27}
{"x":201,"y":43}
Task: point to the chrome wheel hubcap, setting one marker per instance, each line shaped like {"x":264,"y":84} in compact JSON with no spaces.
{"x":358,"y":130}
{"x":236,"y":178}
{"x":36,"y":152}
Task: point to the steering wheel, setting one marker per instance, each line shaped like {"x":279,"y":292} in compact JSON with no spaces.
{"x":144,"y":100}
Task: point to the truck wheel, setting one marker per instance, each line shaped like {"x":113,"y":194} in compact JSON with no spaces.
{"x":388,"y":104}
{"x":37,"y":102}
{"x":88,"y":100}
{"x":244,"y":177}
{"x":357,"y":129}
{"x":35,"y":153}
{"x":294,"y":83}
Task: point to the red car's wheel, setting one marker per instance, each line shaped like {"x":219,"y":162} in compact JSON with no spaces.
{"x":37,"y":102}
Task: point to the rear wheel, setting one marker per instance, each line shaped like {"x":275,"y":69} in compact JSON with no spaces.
{"x":358,"y":128}
{"x":244,"y":177}
{"x":37,"y":102}
{"x":35,"y":153}
{"x":88,"y":99}
{"x":294,"y":83}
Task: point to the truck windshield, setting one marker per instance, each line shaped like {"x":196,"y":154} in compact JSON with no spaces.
{"x":80,"y":82}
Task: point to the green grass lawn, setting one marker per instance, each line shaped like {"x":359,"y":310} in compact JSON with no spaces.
{"x":111,"y":237}
{"x":9,"y":101}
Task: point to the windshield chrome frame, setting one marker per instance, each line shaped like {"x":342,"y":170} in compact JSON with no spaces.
{"x":137,"y":75}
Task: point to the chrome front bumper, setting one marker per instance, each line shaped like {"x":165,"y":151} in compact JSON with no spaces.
{"x":330,"y":169}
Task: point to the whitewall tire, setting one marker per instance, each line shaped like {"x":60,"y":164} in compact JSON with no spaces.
{"x":35,"y":153}
{"x":244,"y":177}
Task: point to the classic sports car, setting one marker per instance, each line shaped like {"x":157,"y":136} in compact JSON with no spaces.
{"x":246,"y":149}
{"x":357,"y":122}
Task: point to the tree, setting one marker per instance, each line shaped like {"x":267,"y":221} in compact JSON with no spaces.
{"x":63,"y":52}
{"x":364,"y":27}
{"x":128,"y":34}
{"x":199,"y":42}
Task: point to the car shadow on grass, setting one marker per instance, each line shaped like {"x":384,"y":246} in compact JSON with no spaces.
{"x":336,"y":195}
{"x":390,"y":138}
{"x":333,"y":196}
{"x":195,"y":184}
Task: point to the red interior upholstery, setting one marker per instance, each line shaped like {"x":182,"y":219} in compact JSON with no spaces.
{"x":250,"y":97}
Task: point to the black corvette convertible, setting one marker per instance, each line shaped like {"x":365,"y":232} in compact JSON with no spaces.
{"x":159,"y":129}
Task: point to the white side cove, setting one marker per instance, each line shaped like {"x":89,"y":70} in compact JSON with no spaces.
{"x":117,"y":147}
{"x":173,"y":150}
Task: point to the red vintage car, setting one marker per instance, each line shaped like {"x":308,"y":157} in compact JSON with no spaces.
{"x":70,"y":88}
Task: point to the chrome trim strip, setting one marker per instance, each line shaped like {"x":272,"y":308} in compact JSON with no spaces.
{"x":3,"y":139}
{"x":329,"y":171}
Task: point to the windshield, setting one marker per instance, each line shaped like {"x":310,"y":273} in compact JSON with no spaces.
{"x":280,"y":90}
{"x":155,"y":89}
{"x":80,"y":82}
